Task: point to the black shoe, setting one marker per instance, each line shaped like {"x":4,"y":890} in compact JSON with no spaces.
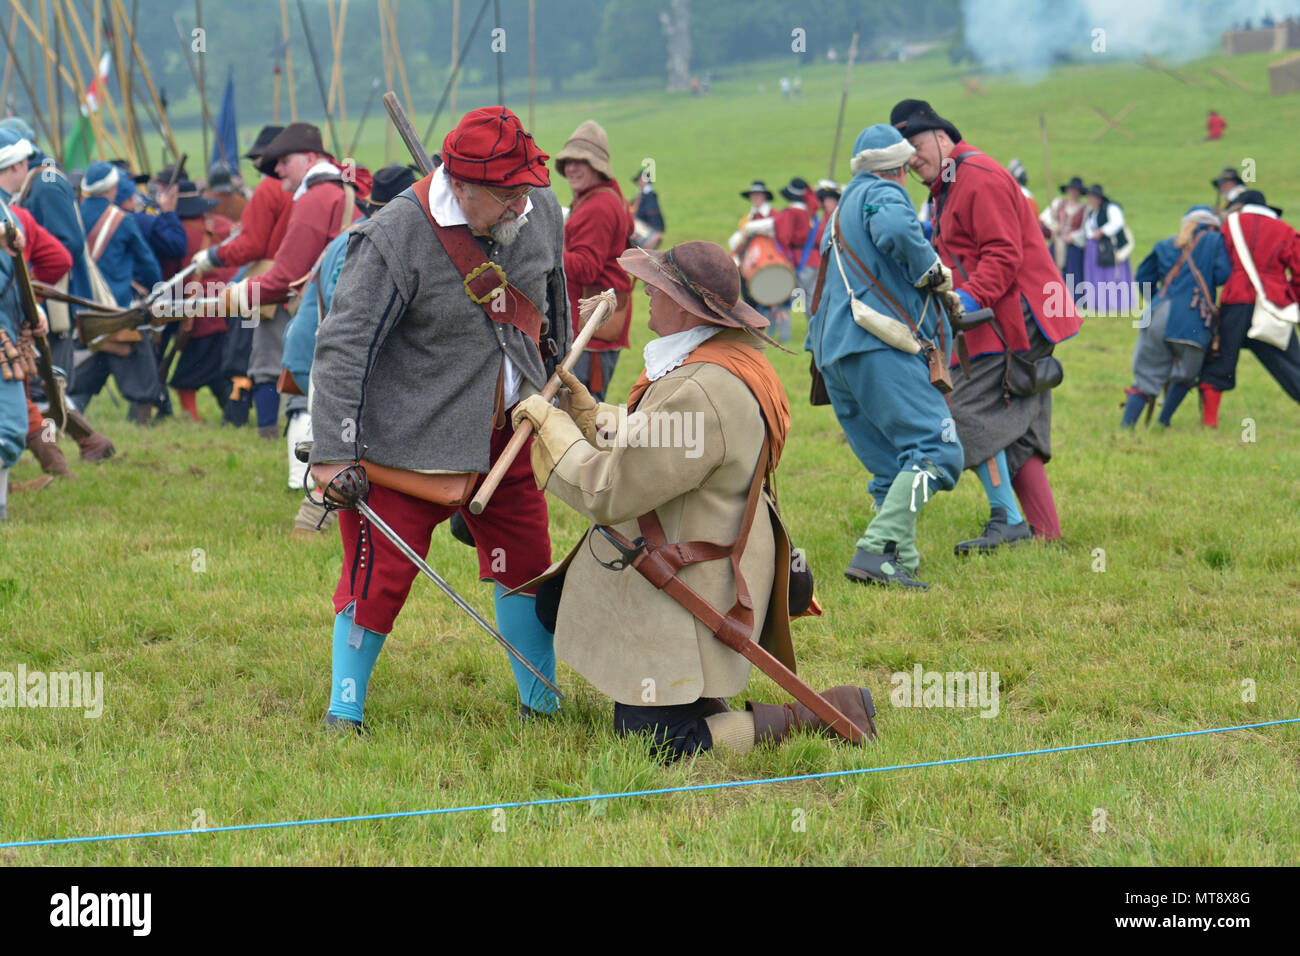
{"x":527,"y":713}
{"x":460,"y":530}
{"x":868,"y":567}
{"x":342,"y":723}
{"x":996,"y":533}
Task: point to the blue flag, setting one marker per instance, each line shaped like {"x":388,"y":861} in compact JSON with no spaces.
{"x":227,"y":129}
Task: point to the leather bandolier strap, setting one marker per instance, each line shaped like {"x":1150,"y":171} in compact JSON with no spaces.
{"x":484,"y":279}
{"x":659,"y":563}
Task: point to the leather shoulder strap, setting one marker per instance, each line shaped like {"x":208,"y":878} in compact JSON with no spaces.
{"x":102,"y":231}
{"x":862,"y":266}
{"x":659,"y":563}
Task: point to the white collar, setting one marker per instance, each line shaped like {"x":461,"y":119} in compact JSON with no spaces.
{"x":666,"y":353}
{"x":323,"y":166}
{"x":762,"y":212}
{"x":1259,"y":211}
{"x":444,"y":205}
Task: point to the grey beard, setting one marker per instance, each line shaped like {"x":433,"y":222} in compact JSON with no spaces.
{"x":507,"y":232}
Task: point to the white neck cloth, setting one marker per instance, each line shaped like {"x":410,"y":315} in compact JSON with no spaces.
{"x":664,"y":354}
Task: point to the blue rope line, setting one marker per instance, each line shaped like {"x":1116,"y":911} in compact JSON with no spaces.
{"x":640,"y":793}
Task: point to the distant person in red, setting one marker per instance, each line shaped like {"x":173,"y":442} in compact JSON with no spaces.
{"x":1214,"y":126}
{"x":596,"y":233}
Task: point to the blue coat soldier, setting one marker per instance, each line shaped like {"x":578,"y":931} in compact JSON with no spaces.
{"x":896,"y":422}
{"x":1189,"y":268}
{"x":123,"y":256}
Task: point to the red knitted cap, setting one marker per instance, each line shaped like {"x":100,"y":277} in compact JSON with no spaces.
{"x":491,"y":148}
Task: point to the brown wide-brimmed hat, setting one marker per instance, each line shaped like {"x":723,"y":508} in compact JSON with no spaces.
{"x":294,"y":138}
{"x":590,"y":144}
{"x":700,"y":277}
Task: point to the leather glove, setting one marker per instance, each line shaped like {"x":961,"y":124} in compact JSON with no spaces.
{"x":938,"y":278}
{"x":579,"y":404}
{"x":534,"y":408}
{"x":960,"y":302}
{"x":554,"y":434}
{"x":759,"y":227}
{"x":203,"y":260}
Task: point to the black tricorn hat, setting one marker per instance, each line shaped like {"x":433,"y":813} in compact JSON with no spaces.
{"x":189,"y":204}
{"x":294,"y":138}
{"x":910,"y":117}
{"x":390,"y":182}
{"x":1230,"y":174}
{"x":1252,"y":197}
{"x":757,"y":186}
{"x":264,"y":138}
{"x":1075,"y":183}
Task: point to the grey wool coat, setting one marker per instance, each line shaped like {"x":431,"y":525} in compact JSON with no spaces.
{"x":406,"y":364}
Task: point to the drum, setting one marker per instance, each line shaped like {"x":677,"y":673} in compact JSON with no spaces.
{"x":767,"y":271}
{"x":644,"y":235}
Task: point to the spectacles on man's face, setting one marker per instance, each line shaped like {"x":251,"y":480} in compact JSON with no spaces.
{"x":511,"y":198}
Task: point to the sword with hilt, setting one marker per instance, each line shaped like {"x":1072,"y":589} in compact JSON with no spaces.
{"x":348,"y":489}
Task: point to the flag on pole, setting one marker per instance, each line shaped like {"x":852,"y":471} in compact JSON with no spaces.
{"x":77,"y":150}
{"x":227,"y":129}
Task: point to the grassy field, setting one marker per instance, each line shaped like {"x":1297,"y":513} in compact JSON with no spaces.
{"x":1175,"y":594}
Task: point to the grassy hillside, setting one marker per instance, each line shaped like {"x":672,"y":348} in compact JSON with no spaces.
{"x":1177,"y":582}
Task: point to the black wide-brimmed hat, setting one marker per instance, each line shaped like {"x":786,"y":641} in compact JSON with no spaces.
{"x":829,"y":187}
{"x":1229,"y":174}
{"x":294,"y":138}
{"x":1096,"y":190}
{"x":910,"y":117}
{"x":189,"y":203}
{"x":265,"y":136}
{"x":390,"y":182}
{"x":757,"y":186}
{"x":1075,"y":183}
{"x":795,"y":191}
{"x":1252,"y":197}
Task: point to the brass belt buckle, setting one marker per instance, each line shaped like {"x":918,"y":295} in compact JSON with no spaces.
{"x":478,"y":271}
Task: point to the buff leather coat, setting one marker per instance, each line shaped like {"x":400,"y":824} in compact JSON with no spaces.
{"x":635,"y":643}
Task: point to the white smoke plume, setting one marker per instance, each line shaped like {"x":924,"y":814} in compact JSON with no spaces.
{"x":1030,"y":35}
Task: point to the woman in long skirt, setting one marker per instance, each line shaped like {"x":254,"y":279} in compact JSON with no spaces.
{"x":1107,"y":272}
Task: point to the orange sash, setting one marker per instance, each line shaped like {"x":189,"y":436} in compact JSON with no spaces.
{"x":751,"y":366}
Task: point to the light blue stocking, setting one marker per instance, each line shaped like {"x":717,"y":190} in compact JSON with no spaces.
{"x":355,"y":652}
{"x":1000,"y":496}
{"x":517,"y":621}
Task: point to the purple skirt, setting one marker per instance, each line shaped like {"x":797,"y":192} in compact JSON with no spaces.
{"x":1107,"y":290}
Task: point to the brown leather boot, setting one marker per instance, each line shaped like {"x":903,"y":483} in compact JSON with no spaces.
{"x":94,"y":445}
{"x":774,"y":722}
{"x":48,"y":454}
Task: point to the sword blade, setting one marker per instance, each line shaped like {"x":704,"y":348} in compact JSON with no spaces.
{"x":447,"y":589}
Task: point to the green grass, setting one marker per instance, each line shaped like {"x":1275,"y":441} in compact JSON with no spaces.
{"x":215,"y":682}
